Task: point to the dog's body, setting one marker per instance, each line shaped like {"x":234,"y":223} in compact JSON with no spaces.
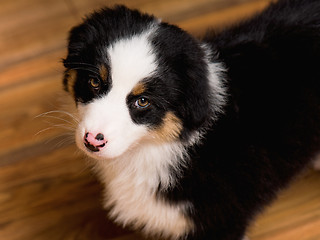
{"x":192,"y":138}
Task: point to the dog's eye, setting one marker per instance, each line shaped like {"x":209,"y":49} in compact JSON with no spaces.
{"x":142,"y":103}
{"x":95,"y":83}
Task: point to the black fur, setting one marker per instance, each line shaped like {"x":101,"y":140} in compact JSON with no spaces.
{"x":182,"y":66}
{"x":269,"y":131}
{"x":87,"y":41}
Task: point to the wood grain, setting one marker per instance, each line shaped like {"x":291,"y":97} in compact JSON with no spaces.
{"x":47,"y":190}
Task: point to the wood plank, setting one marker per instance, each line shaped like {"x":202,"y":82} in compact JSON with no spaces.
{"x":52,"y":195}
{"x":20,"y":106}
{"x":33,"y":69}
{"x":29,"y":28}
{"x":47,"y":190}
{"x":171,"y":10}
{"x":191,"y":15}
{"x":223,"y":18}
{"x":295,"y":212}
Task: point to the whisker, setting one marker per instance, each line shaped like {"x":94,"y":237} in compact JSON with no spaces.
{"x":64,"y":125}
{"x":70,"y":128}
{"x":87,"y":69}
{"x":64,"y":141}
{"x":62,"y":119}
{"x":60,"y":141}
{"x":47,"y":114}
{"x":83,"y":64}
{"x":44,"y":130}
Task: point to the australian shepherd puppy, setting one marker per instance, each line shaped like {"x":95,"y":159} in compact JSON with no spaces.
{"x":192,"y":138}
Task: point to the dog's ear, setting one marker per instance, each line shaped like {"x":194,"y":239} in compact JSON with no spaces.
{"x":187,"y":65}
{"x":75,"y":44}
{"x":197,"y":104}
{"x":80,"y":50}
{"x":197,"y":96}
{"x":79,"y":38}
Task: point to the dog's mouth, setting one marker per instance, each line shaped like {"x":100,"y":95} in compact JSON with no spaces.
{"x":93,"y":148}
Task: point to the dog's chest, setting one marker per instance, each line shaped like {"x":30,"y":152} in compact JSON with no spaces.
{"x":130,"y":195}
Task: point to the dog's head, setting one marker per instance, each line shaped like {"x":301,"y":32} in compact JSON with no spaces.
{"x":137,"y":80}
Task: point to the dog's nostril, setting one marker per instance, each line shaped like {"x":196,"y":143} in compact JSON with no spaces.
{"x":100,"y":137}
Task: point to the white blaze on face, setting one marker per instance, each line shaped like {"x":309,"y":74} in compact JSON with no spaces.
{"x":131,"y":60}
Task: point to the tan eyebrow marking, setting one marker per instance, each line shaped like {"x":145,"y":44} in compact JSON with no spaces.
{"x":103,"y":71}
{"x":138,"y":89}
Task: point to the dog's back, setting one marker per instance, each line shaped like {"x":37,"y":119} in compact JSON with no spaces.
{"x":271,"y":129}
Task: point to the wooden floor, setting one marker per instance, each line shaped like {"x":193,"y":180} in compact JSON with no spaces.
{"x":47,"y":191}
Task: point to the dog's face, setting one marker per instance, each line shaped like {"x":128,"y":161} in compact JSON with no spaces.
{"x":136,"y":81}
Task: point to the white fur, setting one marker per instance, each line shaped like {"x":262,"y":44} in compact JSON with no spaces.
{"x":131,"y":174}
{"x":216,"y":72}
{"x":131,"y":184}
{"x":131,"y":61}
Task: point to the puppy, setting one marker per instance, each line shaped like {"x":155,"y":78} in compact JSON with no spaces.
{"x":193,"y":137}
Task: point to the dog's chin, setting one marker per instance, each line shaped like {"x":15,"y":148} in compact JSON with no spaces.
{"x":102,"y":154}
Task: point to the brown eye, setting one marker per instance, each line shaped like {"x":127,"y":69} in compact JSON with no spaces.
{"x":94,"y":83}
{"x":142,"y":103}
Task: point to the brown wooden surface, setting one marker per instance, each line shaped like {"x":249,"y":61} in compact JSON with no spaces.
{"x":47,"y":190}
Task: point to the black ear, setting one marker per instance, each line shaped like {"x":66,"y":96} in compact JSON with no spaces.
{"x":197,"y":98}
{"x":82,"y":50}
{"x":79,"y":39}
{"x":83,"y":40}
{"x":185,"y":64}
{"x":76,"y":43}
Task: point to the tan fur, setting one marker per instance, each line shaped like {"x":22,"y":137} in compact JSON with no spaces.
{"x":71,"y":76}
{"x":169,"y":129}
{"x":138,"y":89}
{"x":103,"y":72}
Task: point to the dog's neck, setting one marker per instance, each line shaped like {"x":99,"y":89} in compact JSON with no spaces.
{"x":148,"y":163}
{"x":133,"y":180}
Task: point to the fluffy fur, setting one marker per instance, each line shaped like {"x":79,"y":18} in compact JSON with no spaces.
{"x":194,"y":137}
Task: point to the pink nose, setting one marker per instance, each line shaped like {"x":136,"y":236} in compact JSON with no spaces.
{"x":94,"y":142}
